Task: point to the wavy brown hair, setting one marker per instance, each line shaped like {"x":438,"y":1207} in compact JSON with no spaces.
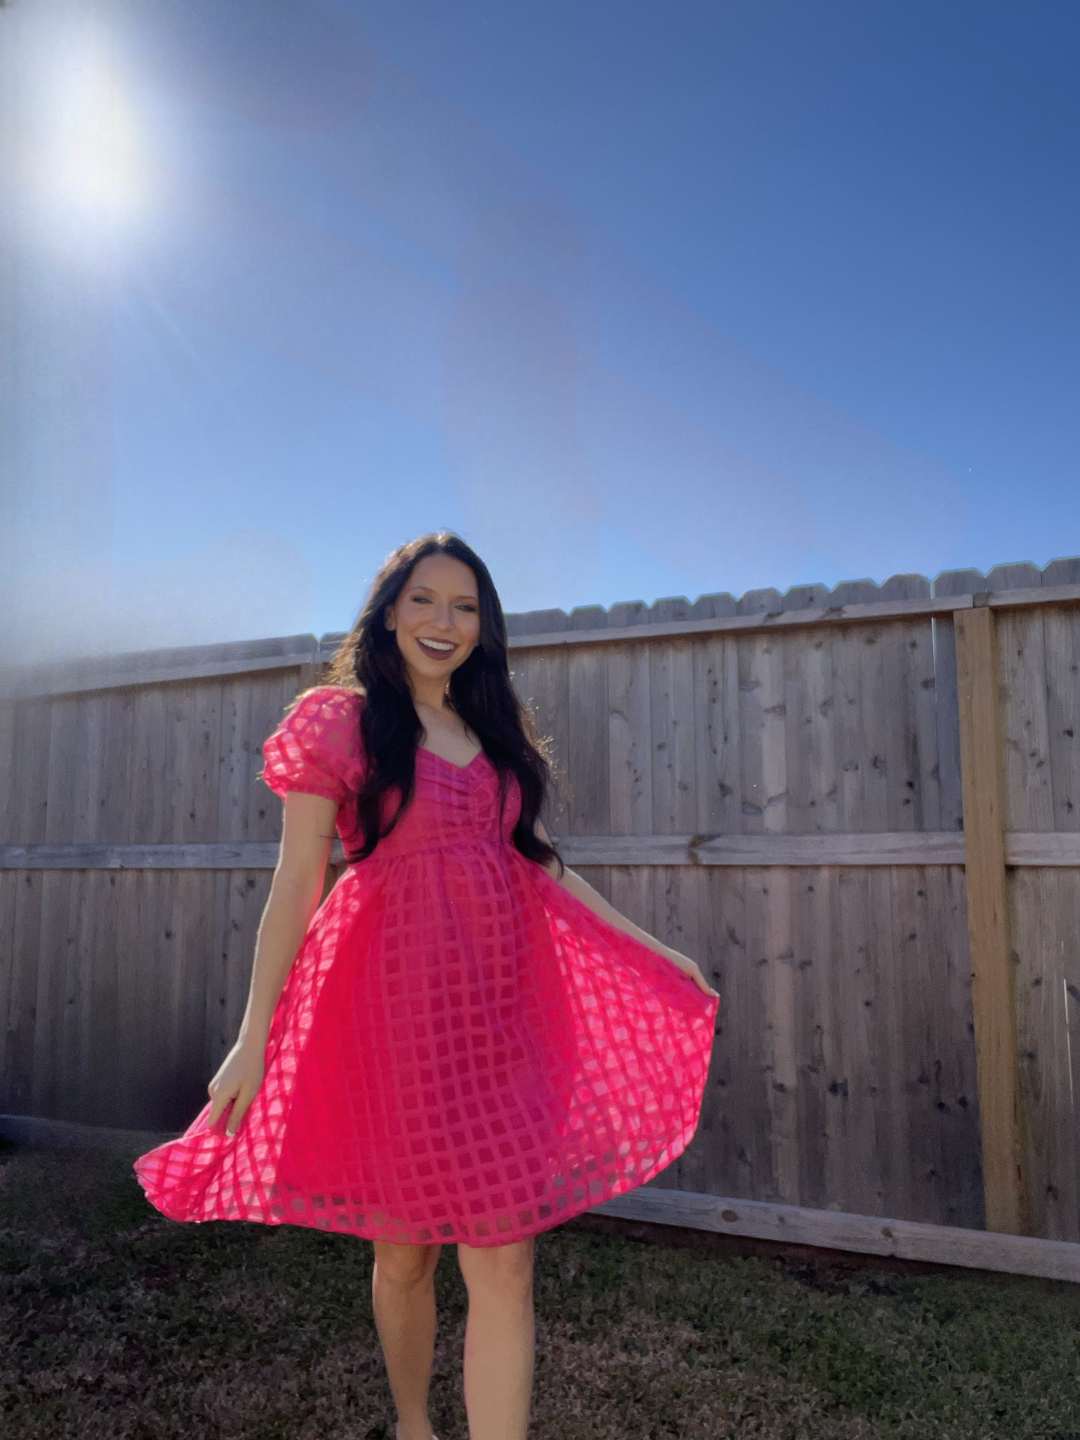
{"x":480,"y":691}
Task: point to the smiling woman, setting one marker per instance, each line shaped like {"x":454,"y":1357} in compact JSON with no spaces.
{"x":466,"y":1042}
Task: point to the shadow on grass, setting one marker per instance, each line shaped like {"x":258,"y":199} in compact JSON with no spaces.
{"x":120,"y":1323}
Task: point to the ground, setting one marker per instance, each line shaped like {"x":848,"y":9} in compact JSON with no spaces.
{"x":116,"y":1322}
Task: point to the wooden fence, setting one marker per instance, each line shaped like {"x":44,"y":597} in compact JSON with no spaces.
{"x":778,"y":785}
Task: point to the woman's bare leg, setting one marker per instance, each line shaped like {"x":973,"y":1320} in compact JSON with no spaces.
{"x":403,"y":1298}
{"x":500,"y":1338}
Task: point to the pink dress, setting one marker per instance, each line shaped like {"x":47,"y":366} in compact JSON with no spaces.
{"x":462,"y":1051}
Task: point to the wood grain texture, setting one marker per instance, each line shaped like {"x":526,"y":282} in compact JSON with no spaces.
{"x":1061,"y":652}
{"x":587,"y":758}
{"x":630,"y":745}
{"x":1025,"y":740}
{"x":811,"y":693}
{"x":1043,"y":909}
{"x":1004,"y":1173}
{"x":21,"y":964}
{"x":716,"y":735}
{"x":52,"y":1000}
{"x":855,"y":1119}
{"x":672,"y":725}
{"x":99,"y":976}
{"x":862,"y":1234}
{"x":1046,"y":849}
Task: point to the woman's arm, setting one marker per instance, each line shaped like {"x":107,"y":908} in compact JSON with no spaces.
{"x":294,"y":897}
{"x":583,"y":891}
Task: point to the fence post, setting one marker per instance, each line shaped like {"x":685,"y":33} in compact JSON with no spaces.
{"x":993,"y":986}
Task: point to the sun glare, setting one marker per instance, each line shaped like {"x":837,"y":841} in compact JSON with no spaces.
{"x":98,"y":163}
{"x":86,"y":157}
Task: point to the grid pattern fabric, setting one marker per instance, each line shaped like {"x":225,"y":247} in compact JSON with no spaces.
{"x":462,"y":1050}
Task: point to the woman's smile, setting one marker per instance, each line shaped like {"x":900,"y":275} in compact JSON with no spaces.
{"x":437,"y":649}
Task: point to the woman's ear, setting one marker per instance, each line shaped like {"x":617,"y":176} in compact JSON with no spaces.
{"x":388,"y":618}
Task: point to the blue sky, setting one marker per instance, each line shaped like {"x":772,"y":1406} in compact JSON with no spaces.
{"x":642,"y":302}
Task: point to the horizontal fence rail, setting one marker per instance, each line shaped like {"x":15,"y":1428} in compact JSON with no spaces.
{"x":925,"y":847}
{"x":857,"y":809}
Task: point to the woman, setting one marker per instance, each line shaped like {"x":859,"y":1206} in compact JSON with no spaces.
{"x":465,"y":1042}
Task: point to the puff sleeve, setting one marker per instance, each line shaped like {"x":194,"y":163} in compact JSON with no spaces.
{"x":316,"y":748}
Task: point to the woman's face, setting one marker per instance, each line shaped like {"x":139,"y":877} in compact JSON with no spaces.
{"x":436,"y":618}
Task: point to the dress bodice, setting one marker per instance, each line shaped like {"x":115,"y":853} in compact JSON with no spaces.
{"x":317,"y":750}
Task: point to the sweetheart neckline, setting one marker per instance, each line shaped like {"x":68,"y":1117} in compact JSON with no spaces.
{"x":451,"y":763}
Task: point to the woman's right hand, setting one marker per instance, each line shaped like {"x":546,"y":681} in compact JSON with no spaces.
{"x":237,"y":1083}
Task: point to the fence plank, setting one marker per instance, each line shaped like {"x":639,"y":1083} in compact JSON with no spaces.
{"x":994,"y":1001}
{"x":674,"y":781}
{"x":816,"y":800}
{"x":17,"y":1057}
{"x":848,"y":741}
{"x":139,"y":1072}
{"x":629,"y":740}
{"x":811,"y":944}
{"x":88,"y":767}
{"x":716,"y":712}
{"x":968,"y":1200}
{"x":862,"y":907}
{"x":62,"y":780}
{"x":195,"y":747}
{"x":116,"y":797}
{"x":236,"y":779}
{"x":587,"y":754}
{"x":194,"y":915}
{"x":888,"y":1038}
{"x":735,"y":1097}
{"x":99,"y":979}
{"x":151,"y":768}
{"x":876,"y":724}
{"x":1044,"y":908}
{"x":31,"y":788}
{"x":51,"y":998}
{"x":1026,"y":778}
{"x":1061,"y":641}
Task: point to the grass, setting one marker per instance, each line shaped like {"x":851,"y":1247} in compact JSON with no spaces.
{"x":119,"y":1323}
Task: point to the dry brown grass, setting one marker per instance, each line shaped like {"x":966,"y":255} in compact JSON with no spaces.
{"x":118,"y":1323}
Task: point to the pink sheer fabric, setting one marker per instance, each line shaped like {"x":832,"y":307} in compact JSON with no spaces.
{"x":462,"y":1050}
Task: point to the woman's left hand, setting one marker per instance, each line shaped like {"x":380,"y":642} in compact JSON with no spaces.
{"x":688,"y":967}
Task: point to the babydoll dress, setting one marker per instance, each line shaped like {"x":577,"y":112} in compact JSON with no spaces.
{"x":462,"y":1050}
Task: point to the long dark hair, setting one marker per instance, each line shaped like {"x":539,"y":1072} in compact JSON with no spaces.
{"x":369,"y":661}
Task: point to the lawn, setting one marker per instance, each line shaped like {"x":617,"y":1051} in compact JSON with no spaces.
{"x":119,"y":1323}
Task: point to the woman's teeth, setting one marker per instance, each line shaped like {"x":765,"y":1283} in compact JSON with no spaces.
{"x":437,"y":647}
